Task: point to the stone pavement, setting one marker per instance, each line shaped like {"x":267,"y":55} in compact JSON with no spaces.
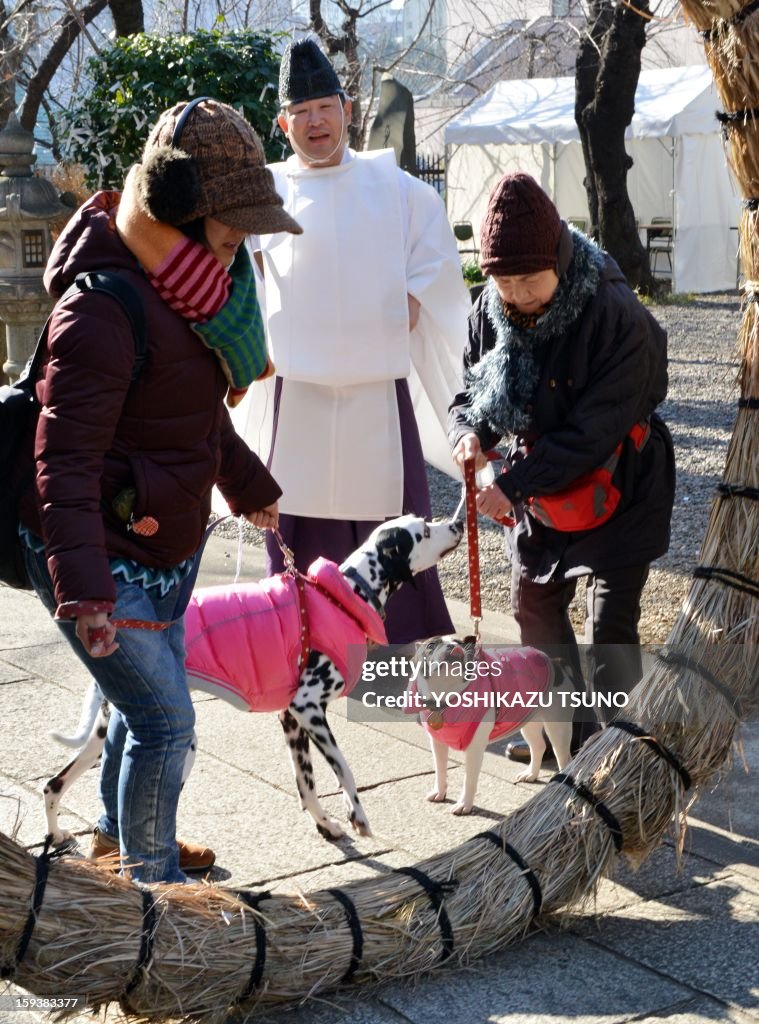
{"x":658,"y":944}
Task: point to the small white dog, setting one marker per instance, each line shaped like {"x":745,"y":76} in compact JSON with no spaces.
{"x":473,"y":694}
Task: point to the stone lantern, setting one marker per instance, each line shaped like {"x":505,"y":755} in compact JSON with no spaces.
{"x":28,"y":204}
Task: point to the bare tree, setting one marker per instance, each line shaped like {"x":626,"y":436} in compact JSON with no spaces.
{"x":39,"y":81}
{"x":607,"y":72}
{"x":36,"y":39}
{"x":16,"y":29}
{"x":346,"y":43}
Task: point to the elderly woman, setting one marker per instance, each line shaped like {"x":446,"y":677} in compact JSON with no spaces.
{"x":565,"y":362}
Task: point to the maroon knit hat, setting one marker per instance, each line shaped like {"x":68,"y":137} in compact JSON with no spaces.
{"x":521,"y":230}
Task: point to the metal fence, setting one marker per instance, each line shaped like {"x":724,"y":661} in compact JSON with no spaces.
{"x":432,"y":170}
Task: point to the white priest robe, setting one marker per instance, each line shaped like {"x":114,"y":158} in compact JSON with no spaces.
{"x":336,"y":311}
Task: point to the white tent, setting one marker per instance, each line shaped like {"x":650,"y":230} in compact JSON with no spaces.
{"x":679,"y":169}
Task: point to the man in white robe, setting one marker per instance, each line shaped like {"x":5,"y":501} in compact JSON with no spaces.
{"x":366,"y":317}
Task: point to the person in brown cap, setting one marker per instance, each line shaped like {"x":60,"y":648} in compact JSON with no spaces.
{"x":204,"y":160}
{"x":123,"y":454}
{"x":566,"y":365}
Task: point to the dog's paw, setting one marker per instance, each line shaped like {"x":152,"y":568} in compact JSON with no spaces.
{"x":328,"y":828}
{"x":356,"y":815}
{"x":60,"y":836}
{"x":362,"y":827}
{"x":360,"y":822}
{"x":527,"y":776}
{"x":436,"y":796}
{"x":461,"y":808}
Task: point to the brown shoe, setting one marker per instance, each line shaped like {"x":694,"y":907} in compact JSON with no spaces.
{"x":192,"y":856}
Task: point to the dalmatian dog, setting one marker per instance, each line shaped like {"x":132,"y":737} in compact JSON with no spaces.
{"x":472,"y":694}
{"x":296,"y":666}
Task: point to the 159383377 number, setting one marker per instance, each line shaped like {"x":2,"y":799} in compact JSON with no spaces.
{"x":43,"y":1004}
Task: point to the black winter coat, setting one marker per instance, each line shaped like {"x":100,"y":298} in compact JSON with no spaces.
{"x":600,"y":367}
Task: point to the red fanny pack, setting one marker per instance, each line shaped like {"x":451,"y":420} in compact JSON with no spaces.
{"x":591,"y":499}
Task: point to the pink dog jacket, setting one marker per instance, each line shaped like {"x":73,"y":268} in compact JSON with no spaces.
{"x":244,"y":640}
{"x":524,"y":671}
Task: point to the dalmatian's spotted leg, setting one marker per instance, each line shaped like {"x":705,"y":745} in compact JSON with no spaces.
{"x":86,"y":758}
{"x":319,"y":684}
{"x":298,"y":748}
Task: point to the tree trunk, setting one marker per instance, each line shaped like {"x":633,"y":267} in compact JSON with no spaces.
{"x":11,"y":59}
{"x":70,"y":28}
{"x":607,"y":71}
{"x":128,"y":16}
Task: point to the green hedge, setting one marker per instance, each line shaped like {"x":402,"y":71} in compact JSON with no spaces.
{"x":140,"y":76}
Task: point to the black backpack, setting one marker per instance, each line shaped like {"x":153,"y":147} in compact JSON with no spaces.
{"x":18,"y":405}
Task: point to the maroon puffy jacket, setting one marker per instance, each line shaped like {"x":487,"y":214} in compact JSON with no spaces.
{"x":168,"y":435}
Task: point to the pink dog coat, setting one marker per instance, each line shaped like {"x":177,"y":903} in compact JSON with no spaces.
{"x":524,"y":671}
{"x":244,"y":640}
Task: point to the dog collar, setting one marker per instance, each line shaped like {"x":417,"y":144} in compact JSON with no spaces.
{"x":365,"y":589}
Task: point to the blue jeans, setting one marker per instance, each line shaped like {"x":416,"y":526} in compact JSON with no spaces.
{"x":151,"y":725}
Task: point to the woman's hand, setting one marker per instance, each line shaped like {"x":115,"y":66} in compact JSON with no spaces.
{"x":469,"y":448}
{"x":266,"y":518}
{"x":493,"y":503}
{"x":97,"y":634}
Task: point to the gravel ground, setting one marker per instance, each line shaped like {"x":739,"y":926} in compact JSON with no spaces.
{"x":699,"y":410}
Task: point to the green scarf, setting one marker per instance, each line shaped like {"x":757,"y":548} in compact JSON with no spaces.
{"x":236,"y":334}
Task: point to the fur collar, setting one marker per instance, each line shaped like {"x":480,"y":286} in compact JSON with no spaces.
{"x":502,"y":384}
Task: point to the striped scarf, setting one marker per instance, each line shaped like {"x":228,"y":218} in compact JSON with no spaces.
{"x":236,"y":333}
{"x":221,"y":305}
{"x":190,"y":279}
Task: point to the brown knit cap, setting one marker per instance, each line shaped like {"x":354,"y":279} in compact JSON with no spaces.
{"x":521,"y":230}
{"x":225,"y":176}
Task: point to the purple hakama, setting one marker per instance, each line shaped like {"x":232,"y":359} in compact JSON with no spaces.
{"x":417,"y":610}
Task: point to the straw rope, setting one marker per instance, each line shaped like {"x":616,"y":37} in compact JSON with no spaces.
{"x":728,"y":54}
{"x":707,"y":14}
{"x":201,"y":951}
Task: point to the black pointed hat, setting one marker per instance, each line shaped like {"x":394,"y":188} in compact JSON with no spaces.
{"x":306,"y":74}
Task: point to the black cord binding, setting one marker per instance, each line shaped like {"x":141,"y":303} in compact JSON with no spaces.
{"x":737,"y":491}
{"x":436,"y":891}
{"x":730,"y":578}
{"x":252,"y":899}
{"x":603,"y":812}
{"x":683,"y":661}
{"x":748,"y":403}
{"x":41,"y":871}
{"x":632,"y":729}
{"x":521,"y":863}
{"x":709,"y":33}
{"x":731,"y":117}
{"x":355,"y":926}
{"x":149,"y":928}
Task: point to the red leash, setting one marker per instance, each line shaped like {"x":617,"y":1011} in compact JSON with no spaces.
{"x":98,"y":633}
{"x":188,"y":584}
{"x":153,"y":627}
{"x":473,"y":545}
{"x":300,"y":584}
